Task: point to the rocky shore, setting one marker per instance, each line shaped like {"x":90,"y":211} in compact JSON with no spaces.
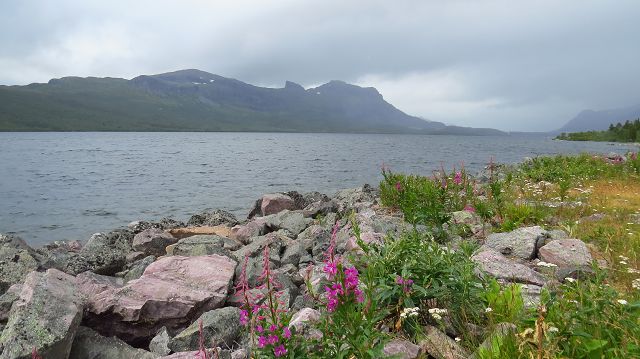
{"x":141,"y":291}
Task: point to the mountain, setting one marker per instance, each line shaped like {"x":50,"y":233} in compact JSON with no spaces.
{"x":589,"y":120}
{"x":193,"y":100}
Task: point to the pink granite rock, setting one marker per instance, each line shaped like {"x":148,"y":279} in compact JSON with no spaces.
{"x":402,"y":349}
{"x":153,"y":241}
{"x":243,"y":233}
{"x":276,"y":202}
{"x":367,"y":237}
{"x":499,"y":266}
{"x":566,"y":253}
{"x":171,"y":292}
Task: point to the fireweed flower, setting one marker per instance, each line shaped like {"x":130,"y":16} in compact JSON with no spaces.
{"x":398,"y":186}
{"x":406,"y":283}
{"x":469,"y":208}
{"x":457,"y":179}
{"x":244,"y":317}
{"x":279,"y":351}
{"x":262,"y":341}
{"x":286,"y":333}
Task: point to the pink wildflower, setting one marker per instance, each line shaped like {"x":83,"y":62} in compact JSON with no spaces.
{"x":202,"y":352}
{"x":244,"y":317}
{"x":34,"y":354}
{"x":457,"y":179}
{"x":272,"y":328}
{"x":279,"y":351}
{"x":398,"y":186}
{"x":273,"y":339}
{"x":469,"y":208}
{"x":262,"y":341}
{"x":286,"y":333}
{"x":351,"y":277}
{"x":259,"y":328}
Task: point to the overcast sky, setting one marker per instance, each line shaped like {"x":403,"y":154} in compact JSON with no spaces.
{"x":512,"y":65}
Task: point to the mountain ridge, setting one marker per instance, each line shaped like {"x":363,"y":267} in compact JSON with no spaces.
{"x":599,"y":120}
{"x":195,"y":100}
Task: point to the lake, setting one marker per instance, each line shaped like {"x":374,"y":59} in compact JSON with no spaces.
{"x":57,"y":186}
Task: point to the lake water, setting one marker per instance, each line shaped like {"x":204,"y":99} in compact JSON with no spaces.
{"x":69,"y":185}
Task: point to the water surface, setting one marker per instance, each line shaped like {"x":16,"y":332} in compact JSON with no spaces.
{"x":69,"y":185}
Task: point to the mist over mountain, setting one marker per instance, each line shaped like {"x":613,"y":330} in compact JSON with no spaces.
{"x":589,"y":120}
{"x":194,"y":100}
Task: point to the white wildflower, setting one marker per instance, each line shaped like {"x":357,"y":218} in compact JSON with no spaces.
{"x":488,"y":310}
{"x":622,"y":302}
{"x":457,"y":339}
{"x":623,"y":263}
{"x":633,"y":271}
{"x":635,"y":284}
{"x":623,"y":258}
{"x":570,"y":280}
{"x":436,"y":316}
{"x":552,"y":330}
{"x":545,"y":264}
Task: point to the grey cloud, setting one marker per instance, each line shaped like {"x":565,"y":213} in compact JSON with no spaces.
{"x":527,"y":65}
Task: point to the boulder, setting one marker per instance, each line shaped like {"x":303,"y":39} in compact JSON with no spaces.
{"x":17,"y":259}
{"x":292,"y":221}
{"x":153,"y":241}
{"x":320,"y":208}
{"x":302,"y":319}
{"x":273,"y":203}
{"x":367,"y":237}
{"x":184,"y":232}
{"x":243,"y":233}
{"x":438,"y":345}
{"x":213,"y":218}
{"x":221,"y":354}
{"x":348,"y":199}
{"x":160,"y":343}
{"x":199,"y":245}
{"x":566,"y":253}
{"x":7,"y":299}
{"x":103,"y":254}
{"x":172,"y":292}
{"x":521,"y":243}
{"x":499,"y":266}
{"x":90,"y":345}
{"x":401,"y":349}
{"x":254,"y":249}
{"x":220,"y":327}
{"x":45,"y":316}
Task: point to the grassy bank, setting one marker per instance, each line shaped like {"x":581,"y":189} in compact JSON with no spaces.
{"x":627,"y":132}
{"x":421,"y":287}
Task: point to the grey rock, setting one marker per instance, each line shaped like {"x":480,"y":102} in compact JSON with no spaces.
{"x":401,"y":349}
{"x":440,"y":346}
{"x":221,"y":327}
{"x":45,"y":316}
{"x":153,"y":241}
{"x":348,"y":199}
{"x":304,"y":319}
{"x":255,"y":248}
{"x":160,"y":343}
{"x":199,"y":245}
{"x":213,"y":218}
{"x":531,"y":295}
{"x":292,"y":221}
{"x":520,"y":243}
{"x":7,"y":299}
{"x":498,"y":266}
{"x":138,"y":268}
{"x":292,"y":253}
{"x":17,"y":259}
{"x":103,"y":254}
{"x":91,"y":345}
{"x":320,"y":208}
